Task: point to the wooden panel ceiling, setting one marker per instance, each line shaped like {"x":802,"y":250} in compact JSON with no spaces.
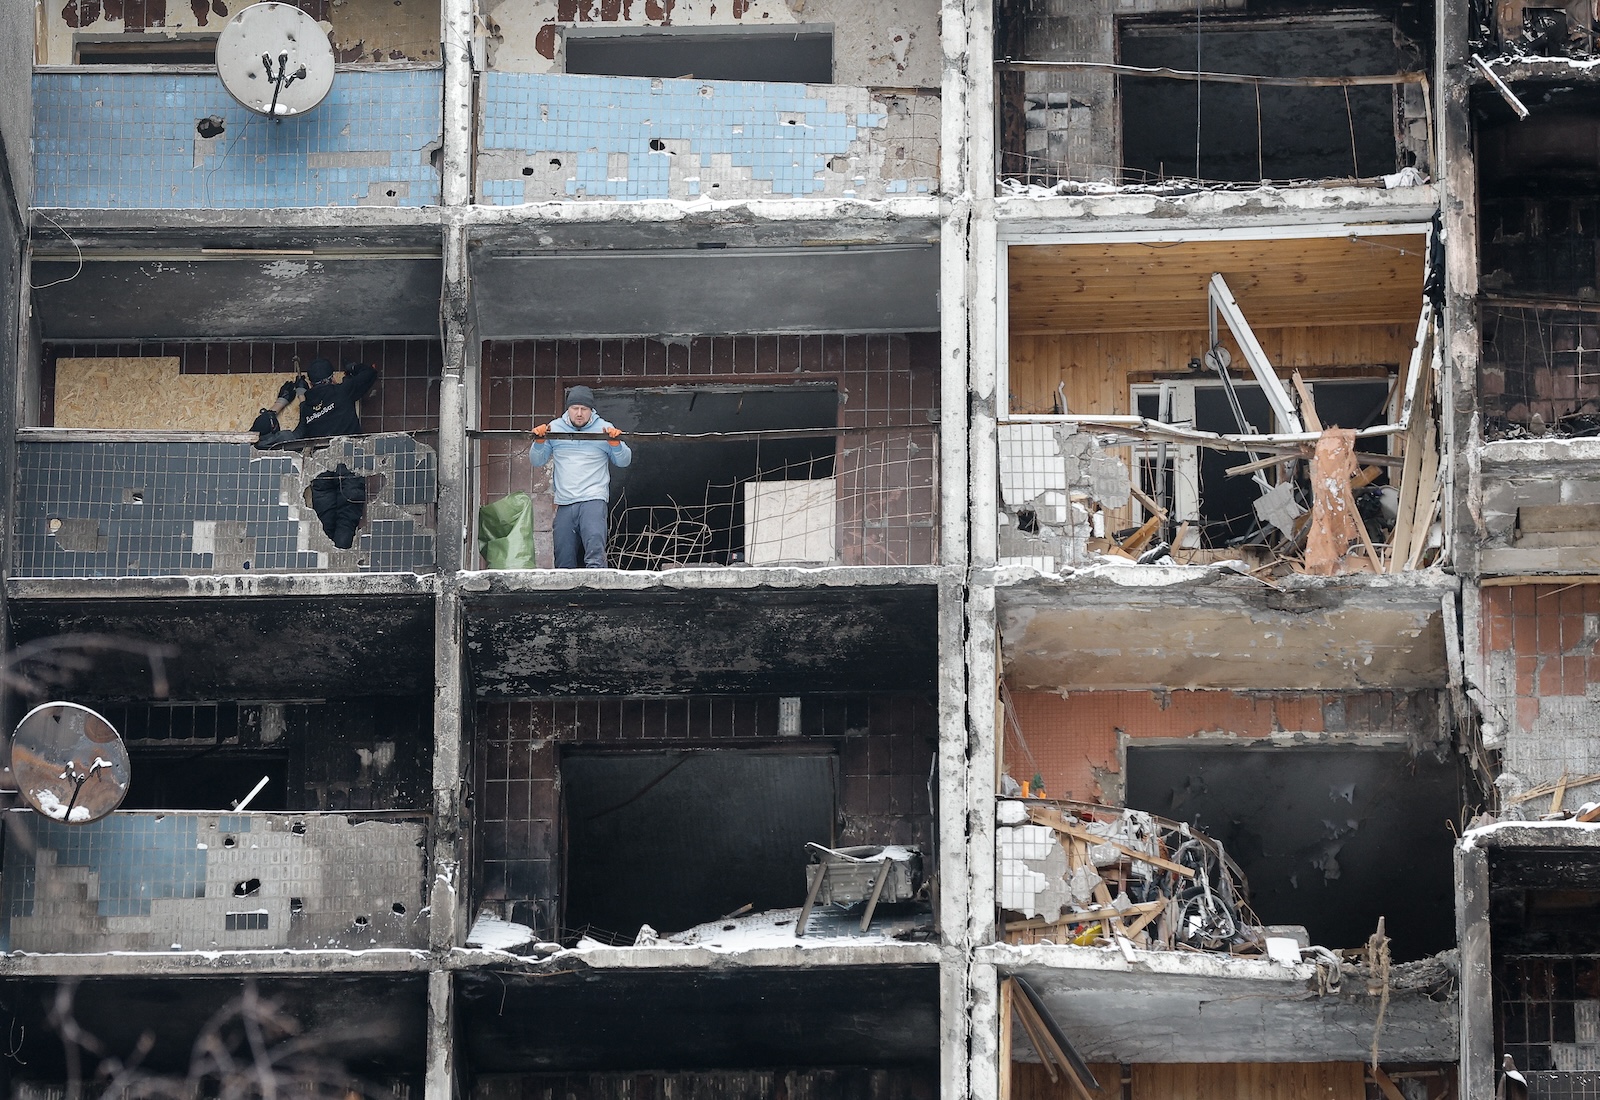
{"x":1162,"y":286}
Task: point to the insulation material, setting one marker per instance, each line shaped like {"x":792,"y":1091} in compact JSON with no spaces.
{"x":790,"y":521}
{"x":150,"y":394}
{"x":1333,"y":519}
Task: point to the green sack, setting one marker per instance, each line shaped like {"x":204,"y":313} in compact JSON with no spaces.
{"x":505,"y":532}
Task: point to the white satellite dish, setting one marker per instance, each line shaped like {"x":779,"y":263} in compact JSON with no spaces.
{"x":275,"y":60}
{"x":69,"y":763}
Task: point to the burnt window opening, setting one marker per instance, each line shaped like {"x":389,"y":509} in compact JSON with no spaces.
{"x":688,"y":501}
{"x":366,"y":753}
{"x":1244,"y":133}
{"x":1539,"y":251}
{"x":1536,"y":28}
{"x":678,"y":839}
{"x":1312,"y":828}
{"x":150,"y":51}
{"x":1544,"y":910}
{"x":1195,"y":480}
{"x":797,"y":55}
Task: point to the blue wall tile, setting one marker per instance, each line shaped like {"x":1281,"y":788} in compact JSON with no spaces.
{"x":128,"y":141}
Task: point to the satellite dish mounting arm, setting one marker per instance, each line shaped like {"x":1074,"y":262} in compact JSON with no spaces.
{"x":281,"y":81}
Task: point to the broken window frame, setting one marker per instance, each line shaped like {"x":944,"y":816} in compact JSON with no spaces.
{"x":1184,"y":459}
{"x":143,"y":52}
{"x":729,"y":34}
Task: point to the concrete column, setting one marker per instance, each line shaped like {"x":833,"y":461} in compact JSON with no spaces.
{"x":448,"y":894}
{"x":985,"y":982}
{"x":460,"y":354}
{"x":456,"y":22}
{"x":1476,"y":993}
{"x":441,"y":1070}
{"x":982,"y":670}
{"x":951,"y":816}
{"x":1456,"y":174}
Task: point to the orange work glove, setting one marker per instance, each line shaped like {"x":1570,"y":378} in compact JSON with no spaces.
{"x":540,"y":431}
{"x":615,"y":435}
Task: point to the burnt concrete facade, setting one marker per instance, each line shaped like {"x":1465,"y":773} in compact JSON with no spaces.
{"x":947,"y":295}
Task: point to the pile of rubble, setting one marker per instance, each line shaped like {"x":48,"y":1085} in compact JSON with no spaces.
{"x":1080,"y":874}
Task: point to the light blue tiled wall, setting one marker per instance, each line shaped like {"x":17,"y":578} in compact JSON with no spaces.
{"x":558,"y":136}
{"x":116,"y":140}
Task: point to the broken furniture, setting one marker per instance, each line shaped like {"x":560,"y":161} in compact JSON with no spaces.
{"x":1074,"y":873}
{"x":865,"y":873}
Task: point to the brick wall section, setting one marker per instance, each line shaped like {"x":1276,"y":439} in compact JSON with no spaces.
{"x":885,"y":743}
{"x":885,"y":382}
{"x":1541,"y":649}
{"x":1073,"y":738}
{"x":405,"y":399}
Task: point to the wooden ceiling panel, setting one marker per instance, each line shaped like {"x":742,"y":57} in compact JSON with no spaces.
{"x":1162,"y":286}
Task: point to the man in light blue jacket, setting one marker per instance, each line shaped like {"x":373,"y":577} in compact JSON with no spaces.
{"x":582,"y":476}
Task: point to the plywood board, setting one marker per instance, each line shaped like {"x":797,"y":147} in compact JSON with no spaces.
{"x":1250,"y":1081}
{"x":1130,"y":287}
{"x":149,"y":394}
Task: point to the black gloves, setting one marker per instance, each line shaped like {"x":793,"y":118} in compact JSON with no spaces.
{"x":286,"y":392}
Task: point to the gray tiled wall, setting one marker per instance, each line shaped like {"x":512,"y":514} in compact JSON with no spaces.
{"x":159,"y":881}
{"x":128,"y":509}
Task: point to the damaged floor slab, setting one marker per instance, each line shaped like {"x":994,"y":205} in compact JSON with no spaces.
{"x":1133,"y":627}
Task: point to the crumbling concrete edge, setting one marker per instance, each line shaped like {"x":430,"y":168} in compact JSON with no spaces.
{"x":284,"y":961}
{"x":226,"y":586}
{"x":1129,"y":209}
{"x":475,"y":583}
{"x":698,"y":958}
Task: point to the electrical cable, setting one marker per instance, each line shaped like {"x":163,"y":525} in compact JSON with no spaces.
{"x":76,"y":248}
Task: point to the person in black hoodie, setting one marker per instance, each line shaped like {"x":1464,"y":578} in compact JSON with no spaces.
{"x":329,"y":407}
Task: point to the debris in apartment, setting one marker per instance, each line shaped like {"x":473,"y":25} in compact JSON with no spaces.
{"x":1540,"y":28}
{"x":490,"y":933}
{"x":1081,"y":874}
{"x":867,"y":873}
{"x":1021,"y":1005}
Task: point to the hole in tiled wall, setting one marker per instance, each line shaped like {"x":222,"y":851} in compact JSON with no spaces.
{"x":133,"y":496}
{"x":361,"y":922}
{"x":657,"y":145}
{"x":555,"y":162}
{"x":296,"y":905}
{"x":398,"y":909}
{"x":229,"y":842}
{"x":1027,"y":521}
{"x":210,"y":127}
{"x":246,"y":888}
{"x":527,"y":171}
{"x":298,"y":828}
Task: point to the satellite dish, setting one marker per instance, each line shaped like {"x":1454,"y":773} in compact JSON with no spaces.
{"x":275,"y":60}
{"x":68,"y":763}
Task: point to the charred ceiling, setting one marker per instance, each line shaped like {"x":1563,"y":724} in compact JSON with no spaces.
{"x":732,"y":1018}
{"x":243,"y":648}
{"x":702,"y":641}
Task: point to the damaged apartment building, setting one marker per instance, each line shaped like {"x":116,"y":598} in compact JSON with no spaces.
{"x":1104,"y":602}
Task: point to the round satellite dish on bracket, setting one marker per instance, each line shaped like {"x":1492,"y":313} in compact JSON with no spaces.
{"x":274,"y":59}
{"x":69,"y":764}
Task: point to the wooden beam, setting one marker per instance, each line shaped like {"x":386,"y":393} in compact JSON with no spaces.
{"x":1041,"y":816}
